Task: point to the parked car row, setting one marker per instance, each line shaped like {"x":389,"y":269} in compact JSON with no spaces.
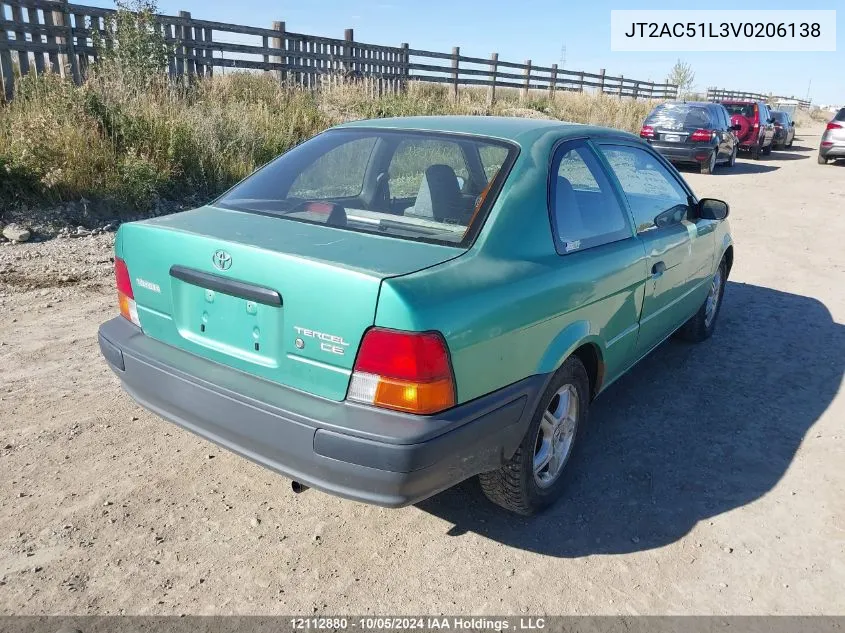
{"x":711,"y":134}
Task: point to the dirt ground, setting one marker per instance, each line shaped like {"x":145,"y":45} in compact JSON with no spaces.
{"x":710,"y":482}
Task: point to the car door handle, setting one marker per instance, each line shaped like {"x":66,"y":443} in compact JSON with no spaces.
{"x":658,"y":269}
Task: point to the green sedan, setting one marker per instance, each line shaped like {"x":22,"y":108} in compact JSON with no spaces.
{"x":397,"y":305}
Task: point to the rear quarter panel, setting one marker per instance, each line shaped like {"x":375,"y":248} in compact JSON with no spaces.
{"x":511,"y":307}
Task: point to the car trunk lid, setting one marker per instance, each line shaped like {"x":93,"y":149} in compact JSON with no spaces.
{"x":285,"y":300}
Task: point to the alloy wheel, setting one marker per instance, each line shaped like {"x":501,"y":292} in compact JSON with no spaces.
{"x":556,"y":436}
{"x":713,"y":297}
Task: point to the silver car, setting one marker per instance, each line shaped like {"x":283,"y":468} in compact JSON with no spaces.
{"x":833,"y":139}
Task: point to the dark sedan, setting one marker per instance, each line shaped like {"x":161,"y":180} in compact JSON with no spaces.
{"x":784,"y":129}
{"x":692,"y":133}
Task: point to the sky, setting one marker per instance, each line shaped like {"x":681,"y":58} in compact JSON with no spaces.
{"x":537,"y":30}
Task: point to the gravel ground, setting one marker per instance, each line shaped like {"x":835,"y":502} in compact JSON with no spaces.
{"x":711,"y":481}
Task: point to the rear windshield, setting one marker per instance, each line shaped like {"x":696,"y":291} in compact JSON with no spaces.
{"x":840,"y":116}
{"x":420,"y":186}
{"x":677,"y":116}
{"x":743,"y":109}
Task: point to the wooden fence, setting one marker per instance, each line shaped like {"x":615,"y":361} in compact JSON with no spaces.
{"x":40,"y":35}
{"x":715,"y":94}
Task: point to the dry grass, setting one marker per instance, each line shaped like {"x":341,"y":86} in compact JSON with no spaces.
{"x":109,"y":142}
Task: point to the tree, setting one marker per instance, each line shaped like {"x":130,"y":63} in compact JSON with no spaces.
{"x":682,"y":76}
{"x":134,"y":49}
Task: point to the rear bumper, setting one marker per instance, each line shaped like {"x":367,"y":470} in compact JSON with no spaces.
{"x":837,"y":150}
{"x":683,"y":153}
{"x":380,"y":457}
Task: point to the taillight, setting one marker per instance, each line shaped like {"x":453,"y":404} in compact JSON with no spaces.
{"x":701,"y":135}
{"x":833,"y":126}
{"x":125,"y":296}
{"x":647,"y":132}
{"x":405,"y":371}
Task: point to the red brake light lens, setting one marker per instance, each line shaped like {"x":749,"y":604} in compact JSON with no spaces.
{"x":121,"y":273}
{"x":833,"y":126}
{"x":406,"y":371}
{"x":125,"y":296}
{"x":701,"y":135}
{"x":647,"y":132}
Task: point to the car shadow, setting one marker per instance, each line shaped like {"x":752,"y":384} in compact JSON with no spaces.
{"x":780,"y":154}
{"x":740,"y":168}
{"x":692,"y":432}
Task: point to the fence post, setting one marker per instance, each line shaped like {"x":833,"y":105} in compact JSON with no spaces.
{"x":6,"y":73}
{"x":601,"y":81}
{"x":278,"y":42}
{"x":187,"y":36}
{"x":53,"y":56}
{"x":636,"y":89}
{"x":456,"y":53}
{"x":621,"y":83}
{"x":23,"y":56}
{"x":64,"y":18}
{"x":209,"y":53}
{"x":527,"y":73}
{"x":553,"y":82}
{"x":81,"y":45}
{"x":405,"y":73}
{"x":491,"y":89}
{"x":349,"y":51}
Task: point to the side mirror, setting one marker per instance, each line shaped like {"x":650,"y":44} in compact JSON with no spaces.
{"x":712,"y":209}
{"x":792,"y":124}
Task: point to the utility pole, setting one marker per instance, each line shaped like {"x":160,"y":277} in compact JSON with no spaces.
{"x":563,"y":56}
{"x":808,"y":89}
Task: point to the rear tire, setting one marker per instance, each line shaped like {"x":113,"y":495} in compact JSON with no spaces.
{"x":525,"y":485}
{"x":710,"y":165}
{"x":702,"y":325}
{"x":767,"y":150}
{"x":732,"y":159}
{"x":755,"y":152}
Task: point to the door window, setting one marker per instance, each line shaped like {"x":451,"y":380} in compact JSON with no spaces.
{"x":585,"y":209}
{"x":650,"y":188}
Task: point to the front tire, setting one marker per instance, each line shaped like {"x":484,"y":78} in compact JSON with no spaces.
{"x":703,"y":323}
{"x":536,"y":475}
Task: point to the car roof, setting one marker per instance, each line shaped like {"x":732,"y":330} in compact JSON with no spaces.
{"x":692,"y":103}
{"x":518,"y":129}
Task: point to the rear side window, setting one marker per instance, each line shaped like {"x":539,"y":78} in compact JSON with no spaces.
{"x":677,"y":116}
{"x":585,"y":211}
{"x":649,"y":187}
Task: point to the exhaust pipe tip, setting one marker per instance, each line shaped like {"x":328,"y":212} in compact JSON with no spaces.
{"x":298,"y":487}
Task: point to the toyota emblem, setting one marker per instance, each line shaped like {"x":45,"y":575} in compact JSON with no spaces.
{"x":222,"y":260}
